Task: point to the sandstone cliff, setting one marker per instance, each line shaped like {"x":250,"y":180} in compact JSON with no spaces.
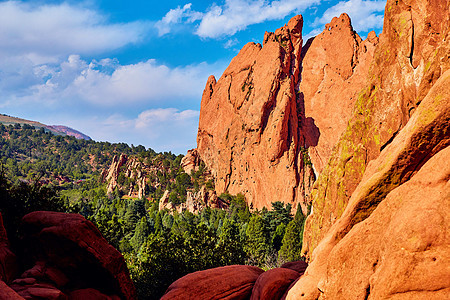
{"x":411,"y":56}
{"x":373,"y":122}
{"x":260,"y":120}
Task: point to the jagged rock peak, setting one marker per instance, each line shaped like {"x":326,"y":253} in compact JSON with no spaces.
{"x":248,"y":131}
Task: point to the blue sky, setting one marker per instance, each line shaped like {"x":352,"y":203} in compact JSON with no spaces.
{"x":134,"y":71}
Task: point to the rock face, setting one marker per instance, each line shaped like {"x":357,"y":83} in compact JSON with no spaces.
{"x":248,"y":130}
{"x":335,"y":65}
{"x":373,"y":122}
{"x":268,"y":125}
{"x":8,"y":261}
{"x":273,"y":283}
{"x":230,"y":282}
{"x":111,"y":175}
{"x":399,"y":80}
{"x":68,"y":258}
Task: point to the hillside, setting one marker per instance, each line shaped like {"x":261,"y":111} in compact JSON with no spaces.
{"x":158,"y":209}
{"x":55,"y":129}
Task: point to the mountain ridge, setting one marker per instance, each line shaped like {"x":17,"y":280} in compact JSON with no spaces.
{"x":55,"y":129}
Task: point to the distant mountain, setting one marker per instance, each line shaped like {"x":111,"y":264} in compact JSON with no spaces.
{"x":55,"y":129}
{"x":69,"y":131}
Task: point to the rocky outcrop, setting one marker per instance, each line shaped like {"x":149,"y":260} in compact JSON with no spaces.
{"x":111,"y":175}
{"x":267,"y":127}
{"x":248,"y":129}
{"x":132,"y":168}
{"x":67,"y":258}
{"x":335,"y":65}
{"x":191,"y":161}
{"x":195,"y":201}
{"x":8,"y":261}
{"x":230,"y":282}
{"x":391,"y":194}
{"x":399,"y":79}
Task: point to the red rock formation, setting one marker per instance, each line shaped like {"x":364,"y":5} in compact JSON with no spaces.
{"x":69,"y":253}
{"x":248,"y":131}
{"x":298,"y":266}
{"x":272,"y":112}
{"x":426,"y":134}
{"x":273,"y":283}
{"x":230,"y":282}
{"x":401,"y":251}
{"x":400,"y":78}
{"x":335,"y":65}
{"x":8,"y":263}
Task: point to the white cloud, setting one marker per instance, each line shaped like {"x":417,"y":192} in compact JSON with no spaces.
{"x":230,"y":43}
{"x":145,"y":81}
{"x":232,"y":16}
{"x":176,"y":16}
{"x":41,"y":33}
{"x":236,"y":15}
{"x":103,"y":83}
{"x":365,"y":14}
{"x":158,"y":116}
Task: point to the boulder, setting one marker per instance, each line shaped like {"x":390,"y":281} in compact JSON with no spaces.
{"x":298,"y":266}
{"x":230,"y":282}
{"x":273,"y":283}
{"x":401,"y":251}
{"x":8,"y":260}
{"x":66,"y":248}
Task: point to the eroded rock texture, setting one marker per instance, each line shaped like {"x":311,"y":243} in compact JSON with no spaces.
{"x":66,"y":257}
{"x":274,"y":102}
{"x":411,"y":56}
{"x":248,"y":132}
{"x":230,"y":282}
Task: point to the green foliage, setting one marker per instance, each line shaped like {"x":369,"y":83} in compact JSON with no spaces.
{"x":292,"y":240}
{"x":257,"y":245}
{"x":159,"y":246}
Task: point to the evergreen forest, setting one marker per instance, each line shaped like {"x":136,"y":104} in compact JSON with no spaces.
{"x":42,"y":171}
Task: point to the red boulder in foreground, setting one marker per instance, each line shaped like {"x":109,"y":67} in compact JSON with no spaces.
{"x":272,"y":284}
{"x":230,"y":282}
{"x":69,"y":252}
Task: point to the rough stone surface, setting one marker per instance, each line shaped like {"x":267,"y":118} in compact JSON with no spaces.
{"x":399,"y":79}
{"x":67,"y":248}
{"x":268,"y":125}
{"x":426,"y":134}
{"x":8,"y":293}
{"x":298,"y":266}
{"x":273,"y":283}
{"x":112,"y":173}
{"x":191,"y":161}
{"x":8,"y":260}
{"x":402,"y":251}
{"x":230,"y":282}
{"x":335,"y":65}
{"x":248,"y":130}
